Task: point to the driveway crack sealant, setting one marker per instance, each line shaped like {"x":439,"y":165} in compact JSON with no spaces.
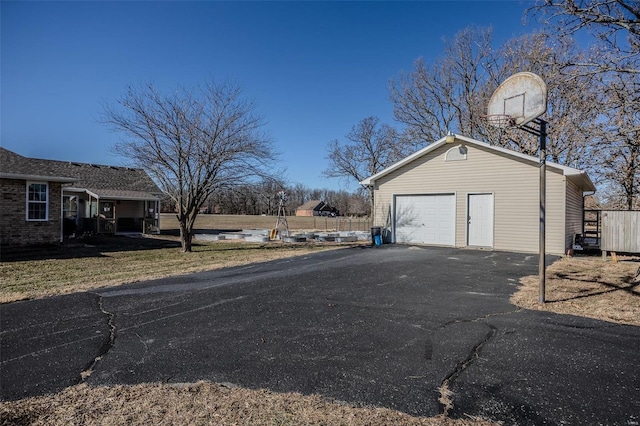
{"x":107,"y":345}
{"x":446,"y":395}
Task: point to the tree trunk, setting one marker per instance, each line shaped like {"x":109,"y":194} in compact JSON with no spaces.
{"x":186,"y":235}
{"x":186,"y":242}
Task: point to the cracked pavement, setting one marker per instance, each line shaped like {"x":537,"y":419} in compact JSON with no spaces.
{"x":387,"y":326}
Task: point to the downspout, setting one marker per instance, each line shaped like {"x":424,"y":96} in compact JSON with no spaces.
{"x":372,"y":200}
{"x":157,"y":214}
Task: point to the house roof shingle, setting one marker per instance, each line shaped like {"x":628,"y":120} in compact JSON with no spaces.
{"x":104,"y":181}
{"x":311,"y":205}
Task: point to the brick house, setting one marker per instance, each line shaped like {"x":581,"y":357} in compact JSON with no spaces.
{"x":42,"y":200}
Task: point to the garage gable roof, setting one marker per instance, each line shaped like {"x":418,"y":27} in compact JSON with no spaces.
{"x":579,"y":177}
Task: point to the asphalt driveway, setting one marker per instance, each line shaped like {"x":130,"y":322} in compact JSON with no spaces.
{"x":381,"y":326}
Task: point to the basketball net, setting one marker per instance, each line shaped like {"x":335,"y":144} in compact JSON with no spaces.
{"x":496,"y":126}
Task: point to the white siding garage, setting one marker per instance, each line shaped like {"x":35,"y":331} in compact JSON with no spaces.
{"x":425,"y":219}
{"x":471,"y":194}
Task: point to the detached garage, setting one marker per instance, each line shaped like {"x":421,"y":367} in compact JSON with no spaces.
{"x":472,"y":194}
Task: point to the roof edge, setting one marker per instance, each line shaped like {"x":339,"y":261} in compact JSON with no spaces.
{"x":406,"y":160}
{"x":567,"y":171}
{"x":129,"y":196}
{"x":20,"y":176}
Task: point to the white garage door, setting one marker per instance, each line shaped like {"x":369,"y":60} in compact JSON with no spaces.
{"x":426,"y":219}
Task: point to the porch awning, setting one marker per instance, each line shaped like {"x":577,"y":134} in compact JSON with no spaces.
{"x":118,"y":194}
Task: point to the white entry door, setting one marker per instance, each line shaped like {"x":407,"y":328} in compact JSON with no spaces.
{"x":426,"y":219}
{"x":480,"y":220}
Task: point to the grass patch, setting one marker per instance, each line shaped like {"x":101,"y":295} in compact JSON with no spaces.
{"x":111,"y":261}
{"x":587,"y":287}
{"x":201,"y":403}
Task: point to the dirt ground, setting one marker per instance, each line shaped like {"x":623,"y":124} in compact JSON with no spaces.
{"x":584,"y":286}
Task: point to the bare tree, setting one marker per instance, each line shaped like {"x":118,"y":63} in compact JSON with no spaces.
{"x":268,"y":195}
{"x":369,"y":149}
{"x":619,"y":139}
{"x":451,"y":93}
{"x":614,"y":23}
{"x":193,"y":142}
{"x":594,"y":120}
{"x":571,"y":98}
{"x":298,"y":194}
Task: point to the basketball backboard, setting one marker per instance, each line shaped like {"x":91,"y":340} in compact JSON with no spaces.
{"x":522,"y":97}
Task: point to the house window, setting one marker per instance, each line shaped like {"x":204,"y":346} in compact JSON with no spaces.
{"x":37,"y":201}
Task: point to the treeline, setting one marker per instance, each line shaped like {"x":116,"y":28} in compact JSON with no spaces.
{"x":593,"y":100}
{"x":263,"y":198}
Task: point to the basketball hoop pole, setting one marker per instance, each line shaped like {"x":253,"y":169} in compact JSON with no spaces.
{"x":519,"y":100}
{"x":541,"y":132}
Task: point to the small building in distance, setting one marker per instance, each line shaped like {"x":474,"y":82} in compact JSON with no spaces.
{"x":316,"y":208}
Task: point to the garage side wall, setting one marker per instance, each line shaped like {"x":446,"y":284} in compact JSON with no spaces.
{"x":512,"y":181}
{"x":574,"y":213}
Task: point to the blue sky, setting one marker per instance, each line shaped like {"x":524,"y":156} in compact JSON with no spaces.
{"x":314,"y":69}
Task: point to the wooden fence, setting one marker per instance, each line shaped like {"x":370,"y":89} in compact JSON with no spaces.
{"x":620,"y":231}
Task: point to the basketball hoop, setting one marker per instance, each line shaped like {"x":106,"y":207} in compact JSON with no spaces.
{"x":521,"y":98}
{"x":517,"y":101}
{"x":501,"y":121}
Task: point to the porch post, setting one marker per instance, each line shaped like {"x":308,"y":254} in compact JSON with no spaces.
{"x":157,"y":213}
{"x":94,"y":224}
{"x":61,"y":214}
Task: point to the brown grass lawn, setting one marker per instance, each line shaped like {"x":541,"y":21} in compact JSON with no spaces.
{"x":109,"y":261}
{"x":582,"y":286}
{"x":201,"y":403}
{"x":587,"y":286}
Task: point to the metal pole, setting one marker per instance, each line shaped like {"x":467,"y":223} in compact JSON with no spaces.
{"x":543,"y":196}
